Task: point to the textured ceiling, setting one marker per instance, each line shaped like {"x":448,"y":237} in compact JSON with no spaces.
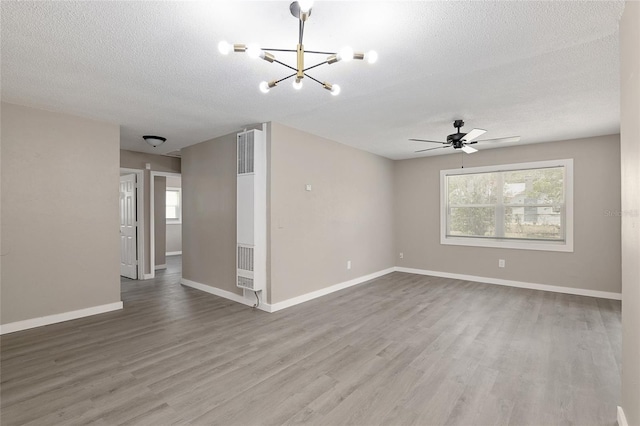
{"x":543,"y":70}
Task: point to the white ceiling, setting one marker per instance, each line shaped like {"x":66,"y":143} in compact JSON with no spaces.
{"x":543,"y":70}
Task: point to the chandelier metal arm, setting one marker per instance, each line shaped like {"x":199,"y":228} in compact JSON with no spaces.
{"x":320,"y":53}
{"x":285,"y":78}
{"x":268,"y":49}
{"x":314,"y":79}
{"x":316,"y":65}
{"x":279,"y":50}
{"x":285,"y":65}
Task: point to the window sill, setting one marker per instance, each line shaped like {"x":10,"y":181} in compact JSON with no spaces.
{"x":509,"y":244}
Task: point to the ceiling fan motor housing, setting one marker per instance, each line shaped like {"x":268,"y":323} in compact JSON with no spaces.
{"x":455,"y":139}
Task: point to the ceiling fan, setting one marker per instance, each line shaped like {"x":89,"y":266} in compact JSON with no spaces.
{"x":463,"y":140}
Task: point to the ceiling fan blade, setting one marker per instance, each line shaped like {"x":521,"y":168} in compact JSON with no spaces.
{"x":468,"y":149}
{"x":430,"y":149}
{"x":503,"y":140}
{"x":474,"y":134}
{"x":424,"y":140}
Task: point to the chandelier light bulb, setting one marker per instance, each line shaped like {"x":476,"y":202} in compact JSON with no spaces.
{"x":297,"y":84}
{"x":254,"y":51}
{"x":372,"y":56}
{"x":305,"y":5}
{"x":264,"y":87}
{"x":335,"y":90}
{"x":346,"y":54}
{"x":224,"y":47}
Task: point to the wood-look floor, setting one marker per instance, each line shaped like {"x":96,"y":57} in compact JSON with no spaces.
{"x":402,"y":350}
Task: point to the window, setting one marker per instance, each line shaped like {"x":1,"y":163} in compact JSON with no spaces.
{"x":173,"y":205}
{"x":523,"y":206}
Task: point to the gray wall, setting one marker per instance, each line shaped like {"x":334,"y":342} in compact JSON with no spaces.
{"x":209,"y":213}
{"x":595,"y":262}
{"x":630,"y":154}
{"x":59,"y":213}
{"x":174,"y":238}
{"x":348,"y":214}
{"x":159,"y":163}
{"x":174,"y":230}
{"x":159,"y":219}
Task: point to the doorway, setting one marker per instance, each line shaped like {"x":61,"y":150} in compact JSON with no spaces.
{"x":166,"y":221}
{"x":128,"y":234}
{"x":131,"y":224}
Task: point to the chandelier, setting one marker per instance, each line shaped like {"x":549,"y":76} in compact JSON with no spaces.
{"x":301,"y":10}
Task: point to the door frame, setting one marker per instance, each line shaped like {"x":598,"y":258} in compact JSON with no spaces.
{"x":152,"y":243}
{"x":139,"y":218}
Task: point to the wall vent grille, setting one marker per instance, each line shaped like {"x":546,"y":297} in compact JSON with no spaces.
{"x":244,"y":282}
{"x":245,"y":258}
{"x":245,"y":153}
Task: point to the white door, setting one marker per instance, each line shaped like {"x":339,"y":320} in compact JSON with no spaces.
{"x":128,"y":242}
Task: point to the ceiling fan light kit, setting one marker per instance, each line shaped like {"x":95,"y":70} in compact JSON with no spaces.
{"x":301,"y":10}
{"x":462,"y":141}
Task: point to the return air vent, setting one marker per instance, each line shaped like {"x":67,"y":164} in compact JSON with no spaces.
{"x":245,"y":258}
{"x":246,"y":153}
{"x":244,"y":282}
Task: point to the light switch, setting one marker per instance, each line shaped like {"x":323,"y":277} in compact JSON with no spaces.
{"x":308,"y":187}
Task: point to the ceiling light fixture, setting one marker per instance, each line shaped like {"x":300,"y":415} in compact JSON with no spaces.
{"x":301,"y":10}
{"x":154,"y":141}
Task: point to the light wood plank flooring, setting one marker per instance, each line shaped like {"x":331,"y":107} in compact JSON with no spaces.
{"x":402,"y":350}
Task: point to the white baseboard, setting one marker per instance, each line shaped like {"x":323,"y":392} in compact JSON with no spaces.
{"x":53,"y":319}
{"x":289,"y":302}
{"x":161,"y":267}
{"x":346,"y":284}
{"x":519,"y":284}
{"x":224,"y":293}
{"x":148,"y":276}
{"x":173,"y":253}
{"x":622,"y":419}
{"x":323,"y":292}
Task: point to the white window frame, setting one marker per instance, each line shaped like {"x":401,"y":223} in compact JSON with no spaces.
{"x":179,"y":220}
{"x":563,"y":246}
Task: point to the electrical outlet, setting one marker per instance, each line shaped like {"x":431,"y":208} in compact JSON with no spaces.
{"x":401,"y":255}
{"x":308,"y":187}
{"x":500,"y":263}
{"x":348,"y":264}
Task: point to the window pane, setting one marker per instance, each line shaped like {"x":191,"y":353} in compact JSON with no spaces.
{"x":527,"y":222}
{"x":516,"y":206}
{"x":172,"y":198}
{"x":472,"y":221}
{"x":172,"y":212}
{"x":469,"y":189}
{"x":536,"y":186}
